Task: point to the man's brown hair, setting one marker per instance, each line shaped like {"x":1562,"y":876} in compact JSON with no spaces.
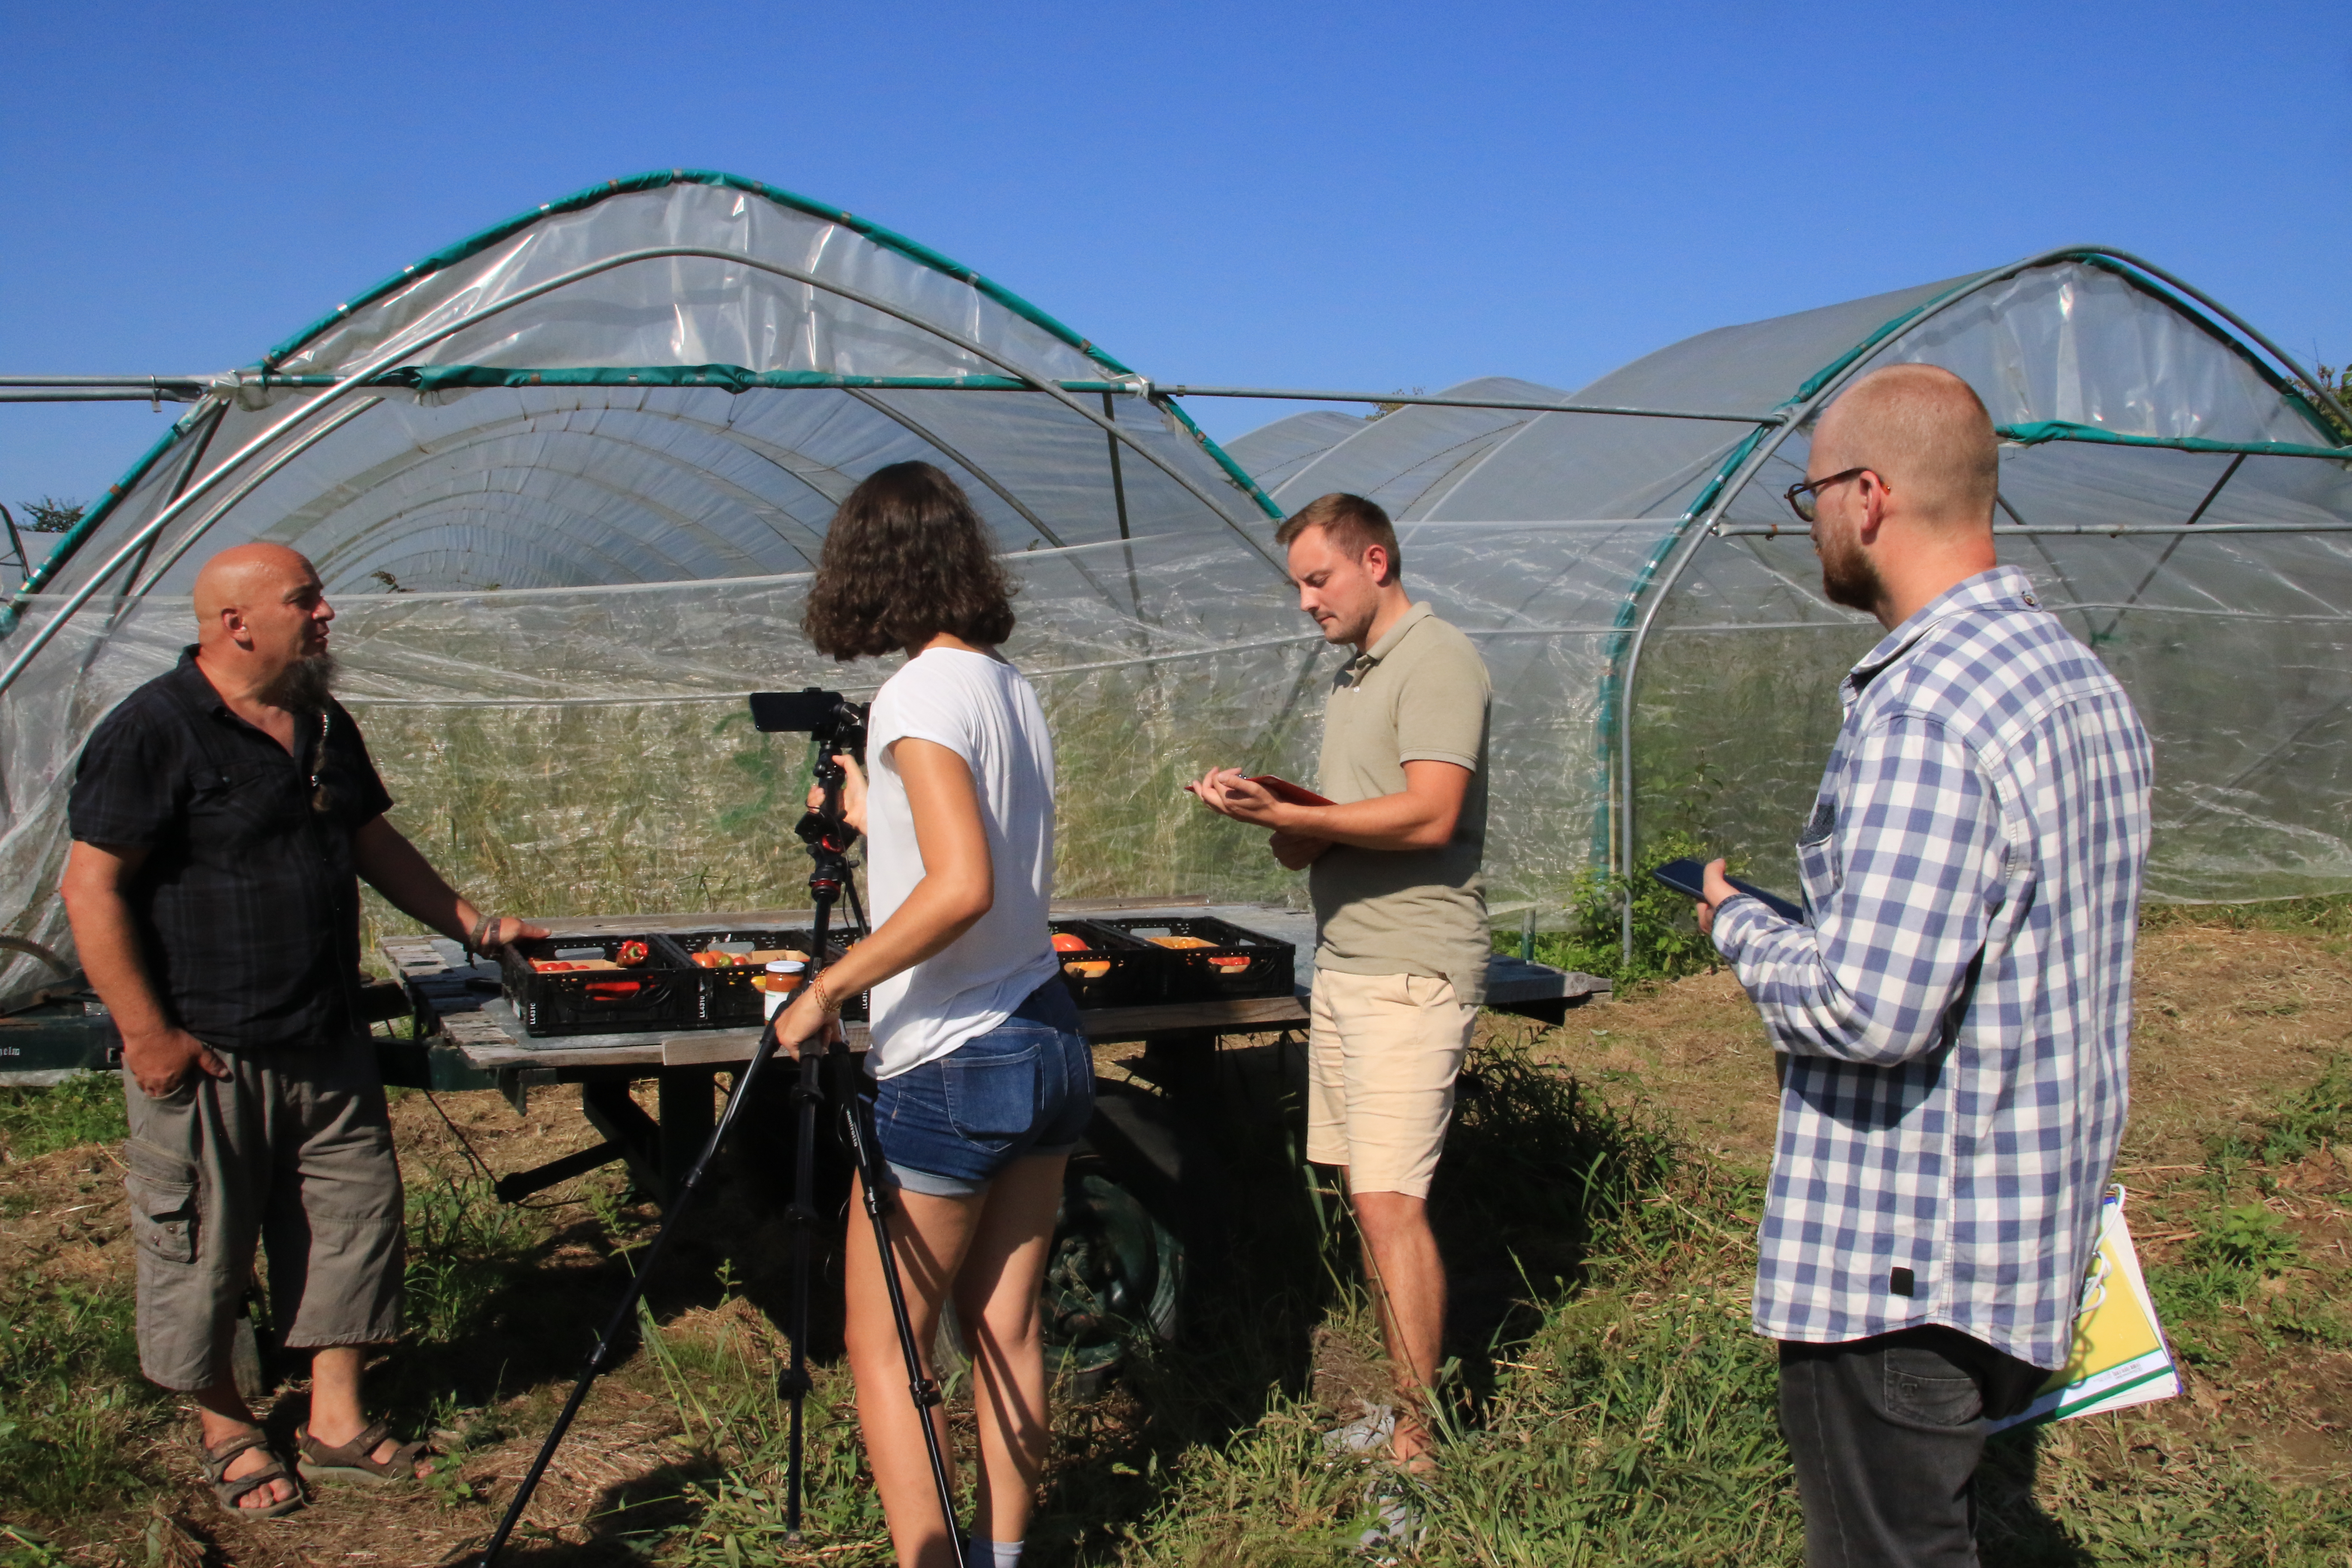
{"x":1351,"y":524}
{"x":906,"y":558}
{"x":1925,"y":430}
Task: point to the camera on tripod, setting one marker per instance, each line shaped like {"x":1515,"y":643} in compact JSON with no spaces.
{"x":839,"y":727}
{"x":835,"y":723}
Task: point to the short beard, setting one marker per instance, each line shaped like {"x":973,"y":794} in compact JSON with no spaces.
{"x":1848,"y":577}
{"x":302,"y":687}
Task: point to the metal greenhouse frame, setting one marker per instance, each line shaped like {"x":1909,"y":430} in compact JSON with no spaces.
{"x":567,"y":477}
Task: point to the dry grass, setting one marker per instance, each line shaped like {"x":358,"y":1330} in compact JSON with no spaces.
{"x":1203,"y":1463}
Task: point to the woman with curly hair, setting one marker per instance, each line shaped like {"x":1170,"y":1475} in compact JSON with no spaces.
{"x":984,"y":1082}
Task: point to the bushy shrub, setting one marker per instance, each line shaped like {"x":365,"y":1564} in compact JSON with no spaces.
{"x":1666,"y":944}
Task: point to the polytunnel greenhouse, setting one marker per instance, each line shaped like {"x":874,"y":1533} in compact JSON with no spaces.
{"x":566,"y":481}
{"x":1652,"y":610}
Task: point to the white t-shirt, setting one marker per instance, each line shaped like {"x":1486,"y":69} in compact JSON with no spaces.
{"x":980,"y":708}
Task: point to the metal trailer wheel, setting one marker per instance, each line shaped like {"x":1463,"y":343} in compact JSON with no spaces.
{"x":1116,"y":1274}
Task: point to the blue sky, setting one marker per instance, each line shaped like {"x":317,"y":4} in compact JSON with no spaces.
{"x":1373,"y":196}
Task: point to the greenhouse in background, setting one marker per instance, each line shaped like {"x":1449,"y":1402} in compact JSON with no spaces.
{"x":1652,"y":610}
{"x":566,"y":479}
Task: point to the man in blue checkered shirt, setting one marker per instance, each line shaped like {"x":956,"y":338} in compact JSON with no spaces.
{"x":1953,"y":1015}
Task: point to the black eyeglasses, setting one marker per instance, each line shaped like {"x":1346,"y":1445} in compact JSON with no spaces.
{"x":1804,"y":499}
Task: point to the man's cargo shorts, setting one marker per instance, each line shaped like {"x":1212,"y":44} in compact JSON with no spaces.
{"x":293,"y":1149}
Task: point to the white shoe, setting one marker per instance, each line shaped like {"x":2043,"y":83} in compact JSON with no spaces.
{"x":1400,"y":1528}
{"x":1368,"y":1434}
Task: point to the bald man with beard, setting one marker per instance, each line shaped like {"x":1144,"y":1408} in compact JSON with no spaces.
{"x":1952,"y":1015}
{"x":222,"y":817}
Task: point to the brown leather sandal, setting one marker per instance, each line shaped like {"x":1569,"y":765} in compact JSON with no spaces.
{"x":229,"y":1488}
{"x":356,"y":1460}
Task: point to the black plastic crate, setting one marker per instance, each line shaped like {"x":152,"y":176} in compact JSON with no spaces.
{"x":662,"y":992}
{"x":1129,"y":972}
{"x":730,"y":998}
{"x":1237,"y":963}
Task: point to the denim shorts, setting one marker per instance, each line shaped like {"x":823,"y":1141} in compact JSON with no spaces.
{"x":949,"y":1126}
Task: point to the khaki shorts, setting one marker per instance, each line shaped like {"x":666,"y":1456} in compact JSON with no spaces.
{"x":1382,"y":1052}
{"x":294,"y":1148}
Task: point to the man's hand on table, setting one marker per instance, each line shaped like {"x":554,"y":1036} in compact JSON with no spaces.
{"x":160,"y":1062}
{"x":483,"y":935}
{"x":508,"y":929}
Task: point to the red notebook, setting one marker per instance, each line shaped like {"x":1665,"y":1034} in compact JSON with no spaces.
{"x":1294,"y":794}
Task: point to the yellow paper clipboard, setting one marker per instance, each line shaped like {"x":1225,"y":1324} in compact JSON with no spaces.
{"x":2119,"y":1357}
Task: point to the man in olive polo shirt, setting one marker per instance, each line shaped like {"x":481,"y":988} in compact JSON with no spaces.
{"x":1399,"y":910}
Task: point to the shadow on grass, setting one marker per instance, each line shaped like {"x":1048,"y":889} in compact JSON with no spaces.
{"x":1538,"y":1173}
{"x":2012,"y":1527}
{"x":1537,"y":1170}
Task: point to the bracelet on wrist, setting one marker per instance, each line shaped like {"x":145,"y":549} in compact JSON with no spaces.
{"x":824,"y":1003}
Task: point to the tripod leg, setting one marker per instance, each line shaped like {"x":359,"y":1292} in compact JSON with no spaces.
{"x":808,"y":1092}
{"x":858,"y":1121}
{"x":601,"y":1358}
{"x":806,"y":1095}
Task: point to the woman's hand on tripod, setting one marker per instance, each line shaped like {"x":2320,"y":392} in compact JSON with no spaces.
{"x":853,"y":793}
{"x":803,"y":1020}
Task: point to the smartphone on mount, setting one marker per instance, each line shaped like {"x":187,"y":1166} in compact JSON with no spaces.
{"x":1690,"y":876}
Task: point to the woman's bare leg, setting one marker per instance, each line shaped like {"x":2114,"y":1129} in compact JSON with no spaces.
{"x":930,"y":1236}
{"x":996,"y":1301}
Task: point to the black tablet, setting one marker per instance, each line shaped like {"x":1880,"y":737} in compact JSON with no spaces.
{"x":1690,"y":876}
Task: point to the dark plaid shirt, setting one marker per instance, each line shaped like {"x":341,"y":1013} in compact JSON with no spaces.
{"x":247,"y":906}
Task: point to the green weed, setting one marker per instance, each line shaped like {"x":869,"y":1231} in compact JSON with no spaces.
{"x":84,"y":1108}
{"x":728,"y":1508}
{"x":21,"y":1548}
{"x":1632,"y":1416}
{"x":2314,"y":1117}
{"x":463,"y":1246}
{"x":2248,"y":1237}
{"x":1541,"y":1165}
{"x":72,"y":1405}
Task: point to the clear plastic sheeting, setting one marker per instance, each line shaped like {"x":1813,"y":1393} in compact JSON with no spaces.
{"x":2233,"y":644}
{"x":697,"y":310}
{"x":569,"y":487}
{"x":584,"y":750}
{"x":1272,"y":453}
{"x":552,"y":596}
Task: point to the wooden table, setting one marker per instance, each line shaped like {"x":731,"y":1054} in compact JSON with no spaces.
{"x":468,"y":1037}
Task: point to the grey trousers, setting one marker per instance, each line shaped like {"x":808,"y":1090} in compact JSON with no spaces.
{"x":294,"y":1148}
{"x":1887,"y":1433}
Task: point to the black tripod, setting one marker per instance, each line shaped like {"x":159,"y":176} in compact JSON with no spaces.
{"x":828,"y":838}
